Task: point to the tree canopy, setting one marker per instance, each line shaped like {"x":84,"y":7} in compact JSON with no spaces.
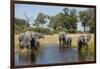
{"x":87,"y":19}
{"x":40,"y":20}
{"x":66,"y":20}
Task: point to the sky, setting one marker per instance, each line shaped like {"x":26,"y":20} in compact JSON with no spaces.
{"x":31,"y":11}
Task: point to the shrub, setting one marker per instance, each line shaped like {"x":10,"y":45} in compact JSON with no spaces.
{"x":19,"y":29}
{"x":72,"y":31}
{"x":43,"y":30}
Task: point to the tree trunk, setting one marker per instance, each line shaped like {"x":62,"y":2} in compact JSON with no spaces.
{"x":84,"y":29}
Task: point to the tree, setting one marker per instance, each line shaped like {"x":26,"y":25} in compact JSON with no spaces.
{"x":20,"y":25}
{"x":87,"y":19}
{"x":40,"y":20}
{"x":20,"y":22}
{"x":91,"y":19}
{"x":84,"y":19}
{"x":66,"y":11}
{"x":27,"y":20}
{"x":64,"y":20}
{"x":70,"y":18}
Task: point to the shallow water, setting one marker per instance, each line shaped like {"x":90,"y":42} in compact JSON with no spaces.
{"x":50,"y":55}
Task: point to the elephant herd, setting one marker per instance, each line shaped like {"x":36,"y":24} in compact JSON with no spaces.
{"x":66,"y":40}
{"x":30,"y":39}
{"x":63,"y":40}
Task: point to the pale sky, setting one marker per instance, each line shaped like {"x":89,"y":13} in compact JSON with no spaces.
{"x":33,"y":10}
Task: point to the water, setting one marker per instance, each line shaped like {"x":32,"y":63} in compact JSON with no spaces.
{"x":51,"y":55}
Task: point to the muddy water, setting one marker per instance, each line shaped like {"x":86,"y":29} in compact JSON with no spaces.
{"x":50,"y":55}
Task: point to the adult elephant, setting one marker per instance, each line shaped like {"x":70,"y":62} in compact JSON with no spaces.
{"x":29,"y":39}
{"x":83,"y":41}
{"x":62,"y":39}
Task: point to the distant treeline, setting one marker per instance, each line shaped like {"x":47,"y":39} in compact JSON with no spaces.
{"x":63,"y":21}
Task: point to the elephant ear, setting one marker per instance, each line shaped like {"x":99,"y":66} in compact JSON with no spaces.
{"x":82,"y":38}
{"x":21,"y":36}
{"x":88,"y":37}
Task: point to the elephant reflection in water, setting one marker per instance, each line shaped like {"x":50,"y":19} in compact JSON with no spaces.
{"x":82,"y":55}
{"x":27,"y":56}
{"x":83,"y":42}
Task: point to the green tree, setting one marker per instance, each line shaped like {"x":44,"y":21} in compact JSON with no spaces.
{"x":87,"y":19}
{"x":91,"y":19}
{"x":70,"y":18}
{"x":20,"y":25}
{"x":64,"y":20}
{"x":66,"y":11}
{"x":20,"y":22}
{"x":84,"y":19}
{"x":40,"y":20}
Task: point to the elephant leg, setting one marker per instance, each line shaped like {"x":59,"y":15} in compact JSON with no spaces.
{"x":79,"y":47}
{"x":59,"y":42}
{"x":37,"y":44}
{"x":21,"y":45}
{"x":67,"y":44}
{"x":64,"y":42}
{"x":70,"y":43}
{"x":29,"y":45}
{"x":32,"y":43}
{"x":86,"y":47}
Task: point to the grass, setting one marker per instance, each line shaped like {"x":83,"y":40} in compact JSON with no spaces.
{"x":53,"y":39}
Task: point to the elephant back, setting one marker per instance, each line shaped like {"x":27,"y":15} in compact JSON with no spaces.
{"x":62,"y":35}
{"x":28,"y":36}
{"x":88,"y":37}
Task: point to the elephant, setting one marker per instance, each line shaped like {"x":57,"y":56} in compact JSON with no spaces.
{"x":68,"y":41}
{"x":21,"y":38}
{"x":62,"y":38}
{"x":29,"y":39}
{"x":83,"y":41}
{"x":88,"y":37}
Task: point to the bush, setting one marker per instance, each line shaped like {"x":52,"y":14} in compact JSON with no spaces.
{"x":19,"y":29}
{"x":72,"y":31}
{"x":64,"y":30}
{"x":43,"y":30}
{"x":59,"y":30}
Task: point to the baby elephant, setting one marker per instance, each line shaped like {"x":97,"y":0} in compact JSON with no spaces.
{"x":68,"y":41}
{"x":82,"y":41}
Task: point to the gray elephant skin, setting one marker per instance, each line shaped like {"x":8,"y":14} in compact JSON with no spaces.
{"x":29,"y":39}
{"x":64,"y":40}
{"x":68,"y":41}
{"x":83,"y":41}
